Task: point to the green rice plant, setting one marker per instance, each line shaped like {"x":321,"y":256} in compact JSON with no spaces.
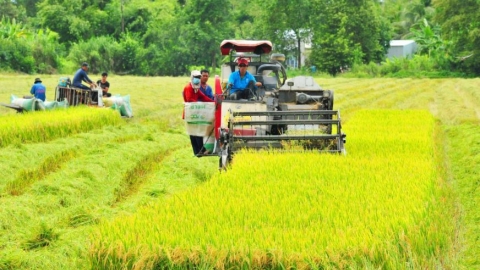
{"x":381,"y":206}
{"x":48,"y":125}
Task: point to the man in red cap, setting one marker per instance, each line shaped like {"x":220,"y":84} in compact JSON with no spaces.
{"x":241,"y":82}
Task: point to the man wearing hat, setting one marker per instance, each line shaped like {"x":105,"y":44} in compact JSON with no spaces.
{"x":38,"y":89}
{"x":81,"y":76}
{"x":241,"y":82}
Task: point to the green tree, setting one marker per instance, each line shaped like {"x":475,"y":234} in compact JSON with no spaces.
{"x":11,"y":10}
{"x":428,"y":39}
{"x":347,"y":32}
{"x":245,"y":19}
{"x":102,"y":53}
{"x":287,"y":23}
{"x":206,"y":24}
{"x":403,"y":15}
{"x":46,"y":51}
{"x":461,"y":27}
{"x":166,"y":52}
{"x":76,"y":21}
{"x":10,"y":29}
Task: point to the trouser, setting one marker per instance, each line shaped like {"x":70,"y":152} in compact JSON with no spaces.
{"x":197,"y":144}
{"x":82,"y":86}
{"x":247,"y":93}
{"x":95,"y":95}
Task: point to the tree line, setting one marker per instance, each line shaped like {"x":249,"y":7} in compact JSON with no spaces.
{"x":168,"y":37}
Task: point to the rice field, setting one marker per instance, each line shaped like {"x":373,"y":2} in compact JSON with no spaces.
{"x":301,"y":210}
{"x":128,"y":194}
{"x":45,"y":125}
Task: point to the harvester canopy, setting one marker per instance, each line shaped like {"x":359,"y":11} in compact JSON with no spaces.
{"x":255,"y":46}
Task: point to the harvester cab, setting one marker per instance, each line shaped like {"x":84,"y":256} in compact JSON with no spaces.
{"x":286,"y":114}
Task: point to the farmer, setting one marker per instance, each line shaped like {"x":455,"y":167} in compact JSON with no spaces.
{"x":204,"y":87}
{"x":38,"y":89}
{"x":81,"y":76}
{"x":192,"y":93}
{"x":104,"y":84}
{"x":241,"y":83}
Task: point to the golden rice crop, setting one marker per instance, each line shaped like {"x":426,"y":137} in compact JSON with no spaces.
{"x":380,"y":206}
{"x":46,"y":125}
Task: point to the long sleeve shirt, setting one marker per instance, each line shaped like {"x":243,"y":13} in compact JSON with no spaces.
{"x":80,"y":76}
{"x":38,"y":90}
{"x":190,"y":95}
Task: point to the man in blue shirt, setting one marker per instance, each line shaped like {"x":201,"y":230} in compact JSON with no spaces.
{"x":204,"y":87}
{"x":241,"y":82}
{"x":81,"y":76}
{"x":38,"y":89}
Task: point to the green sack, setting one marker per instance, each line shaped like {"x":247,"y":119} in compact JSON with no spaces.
{"x":39,"y":105}
{"x":62,"y":104}
{"x":28,"y":104}
{"x":122,"y":104}
{"x":49,"y":105}
{"x":126,"y":110}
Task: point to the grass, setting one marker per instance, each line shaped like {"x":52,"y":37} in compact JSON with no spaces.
{"x":74,"y":199}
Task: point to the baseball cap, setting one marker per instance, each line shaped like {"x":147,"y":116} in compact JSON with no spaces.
{"x":84,"y":64}
{"x":242,"y":61}
{"x":37,"y":80}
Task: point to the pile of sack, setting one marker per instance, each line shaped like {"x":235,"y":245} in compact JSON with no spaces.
{"x":119,"y":103}
{"x":33,"y":104}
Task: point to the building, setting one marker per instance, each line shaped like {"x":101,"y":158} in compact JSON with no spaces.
{"x":402,"y":48}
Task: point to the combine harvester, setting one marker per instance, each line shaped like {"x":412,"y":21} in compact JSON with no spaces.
{"x":286,"y":114}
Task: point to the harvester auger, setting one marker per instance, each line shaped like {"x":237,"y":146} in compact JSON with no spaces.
{"x":285,"y":114}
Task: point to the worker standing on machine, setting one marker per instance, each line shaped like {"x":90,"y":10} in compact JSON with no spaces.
{"x":192,"y":93}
